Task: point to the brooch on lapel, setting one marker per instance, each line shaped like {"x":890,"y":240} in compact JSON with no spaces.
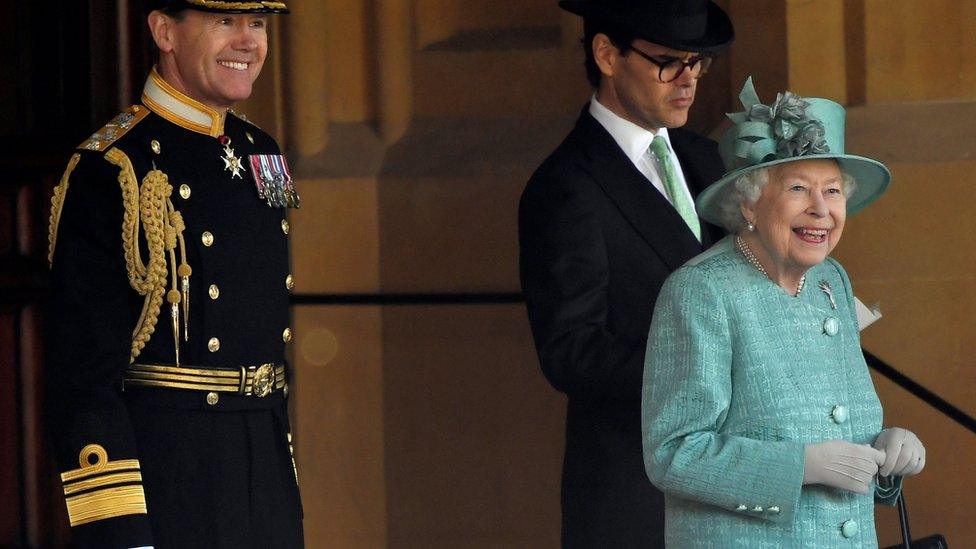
{"x":273,"y":180}
{"x":825,"y":288}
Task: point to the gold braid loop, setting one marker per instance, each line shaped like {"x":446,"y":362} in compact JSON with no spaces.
{"x":57,"y":202}
{"x":150,"y":205}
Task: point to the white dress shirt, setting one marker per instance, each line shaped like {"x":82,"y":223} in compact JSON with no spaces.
{"x":635,"y":142}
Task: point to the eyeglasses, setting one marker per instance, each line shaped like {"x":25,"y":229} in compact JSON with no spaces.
{"x":670,"y":68}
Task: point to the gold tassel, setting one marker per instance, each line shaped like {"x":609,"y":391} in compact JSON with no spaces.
{"x":173,"y":296}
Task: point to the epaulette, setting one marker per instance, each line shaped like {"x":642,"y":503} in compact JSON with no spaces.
{"x":116,"y":128}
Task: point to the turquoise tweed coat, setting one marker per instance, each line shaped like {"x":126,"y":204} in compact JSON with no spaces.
{"x":738,"y":377}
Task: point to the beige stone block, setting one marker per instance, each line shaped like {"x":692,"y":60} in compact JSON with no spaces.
{"x":474,"y":434}
{"x":817,"y":64}
{"x":920,"y":51}
{"x":335,"y":237}
{"x":337,"y":399}
{"x":445,"y":234}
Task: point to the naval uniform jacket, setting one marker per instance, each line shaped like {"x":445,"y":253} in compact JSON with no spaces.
{"x":739,"y":377}
{"x":169,"y":467}
{"x":597,"y":242}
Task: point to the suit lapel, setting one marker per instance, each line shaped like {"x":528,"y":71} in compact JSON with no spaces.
{"x":654,"y":218}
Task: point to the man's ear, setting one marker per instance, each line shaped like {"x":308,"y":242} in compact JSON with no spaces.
{"x":160,"y":26}
{"x":605,"y":53}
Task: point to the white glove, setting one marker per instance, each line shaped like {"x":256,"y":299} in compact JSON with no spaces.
{"x":841,"y":464}
{"x":904,"y":453}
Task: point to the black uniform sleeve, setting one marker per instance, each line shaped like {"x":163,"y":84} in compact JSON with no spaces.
{"x":565,"y":274}
{"x":91,"y":314}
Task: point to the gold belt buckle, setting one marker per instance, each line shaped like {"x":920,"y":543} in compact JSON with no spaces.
{"x":264,"y":380}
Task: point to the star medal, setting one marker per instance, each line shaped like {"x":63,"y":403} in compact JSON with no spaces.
{"x":272,"y":178}
{"x":232,"y":163}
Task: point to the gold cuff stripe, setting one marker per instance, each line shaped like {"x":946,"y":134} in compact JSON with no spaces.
{"x":57,"y":203}
{"x":237,"y":5}
{"x":106,"y":503}
{"x":103,"y":481}
{"x":91,"y":470}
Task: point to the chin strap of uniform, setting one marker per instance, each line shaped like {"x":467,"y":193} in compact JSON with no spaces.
{"x":150,"y":205}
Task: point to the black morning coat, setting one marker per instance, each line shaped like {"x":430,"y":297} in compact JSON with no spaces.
{"x":597,"y":241}
{"x":175,"y":468}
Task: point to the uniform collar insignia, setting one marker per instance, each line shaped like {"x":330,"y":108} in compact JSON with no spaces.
{"x":167,"y":102}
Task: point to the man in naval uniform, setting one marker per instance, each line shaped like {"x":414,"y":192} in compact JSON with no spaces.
{"x":169,"y":315}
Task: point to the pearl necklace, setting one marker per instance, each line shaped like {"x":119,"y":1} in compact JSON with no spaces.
{"x":754,"y":261}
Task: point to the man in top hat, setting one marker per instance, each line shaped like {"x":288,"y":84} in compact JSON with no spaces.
{"x":602,"y":223}
{"x":169,"y":314}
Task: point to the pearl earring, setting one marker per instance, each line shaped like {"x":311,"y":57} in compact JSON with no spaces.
{"x":750,"y":226}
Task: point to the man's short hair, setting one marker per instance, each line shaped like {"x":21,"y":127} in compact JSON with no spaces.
{"x":620,"y":38}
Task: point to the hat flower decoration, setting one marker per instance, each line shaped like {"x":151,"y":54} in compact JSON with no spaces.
{"x":778,"y":131}
{"x":793,"y":128}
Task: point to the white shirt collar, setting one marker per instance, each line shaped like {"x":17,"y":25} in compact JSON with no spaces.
{"x":632,"y":139}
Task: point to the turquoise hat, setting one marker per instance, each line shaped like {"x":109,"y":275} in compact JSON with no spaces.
{"x":792,"y":129}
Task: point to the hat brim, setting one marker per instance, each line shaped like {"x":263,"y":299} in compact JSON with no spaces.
{"x":718,"y":35}
{"x":872,"y":180}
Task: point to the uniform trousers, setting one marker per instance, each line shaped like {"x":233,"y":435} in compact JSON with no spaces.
{"x":216,"y":476}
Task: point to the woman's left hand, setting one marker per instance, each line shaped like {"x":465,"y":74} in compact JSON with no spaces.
{"x":904,"y":453}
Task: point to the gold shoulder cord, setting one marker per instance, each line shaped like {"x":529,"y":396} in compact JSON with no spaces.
{"x":163,"y":227}
{"x":57,"y":203}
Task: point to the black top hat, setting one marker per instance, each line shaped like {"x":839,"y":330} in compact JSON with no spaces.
{"x":218,"y":6}
{"x":686,"y":25}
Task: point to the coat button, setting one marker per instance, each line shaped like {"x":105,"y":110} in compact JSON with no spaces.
{"x":831,"y":326}
{"x":285,"y":227}
{"x":849,"y":528}
{"x":839,"y":414}
{"x":757,"y":509}
{"x":213,"y":345}
{"x":185,"y":191}
{"x":773,"y":510}
{"x":741,"y":507}
{"x":289,"y":282}
{"x":207,"y":238}
{"x":214,"y":291}
{"x":154,"y":145}
{"x":212,"y":398}
{"x":286,"y":335}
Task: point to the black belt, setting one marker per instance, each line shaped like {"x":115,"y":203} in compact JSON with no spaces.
{"x":257,"y":381}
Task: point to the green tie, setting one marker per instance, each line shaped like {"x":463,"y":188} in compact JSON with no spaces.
{"x":659,"y":146}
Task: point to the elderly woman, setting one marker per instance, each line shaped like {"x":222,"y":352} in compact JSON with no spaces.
{"x":760,"y":422}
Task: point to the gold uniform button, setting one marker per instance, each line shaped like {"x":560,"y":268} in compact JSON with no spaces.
{"x":213,"y":345}
{"x":212,"y":398}
{"x":154,"y":145}
{"x":286,"y":335}
{"x":207,"y":238}
{"x":214,"y":291}
{"x":185,"y":191}
{"x":249,"y":137}
{"x":285,"y":226}
{"x":289,"y":282}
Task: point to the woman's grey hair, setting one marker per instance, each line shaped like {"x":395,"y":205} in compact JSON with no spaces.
{"x":747,"y":188}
